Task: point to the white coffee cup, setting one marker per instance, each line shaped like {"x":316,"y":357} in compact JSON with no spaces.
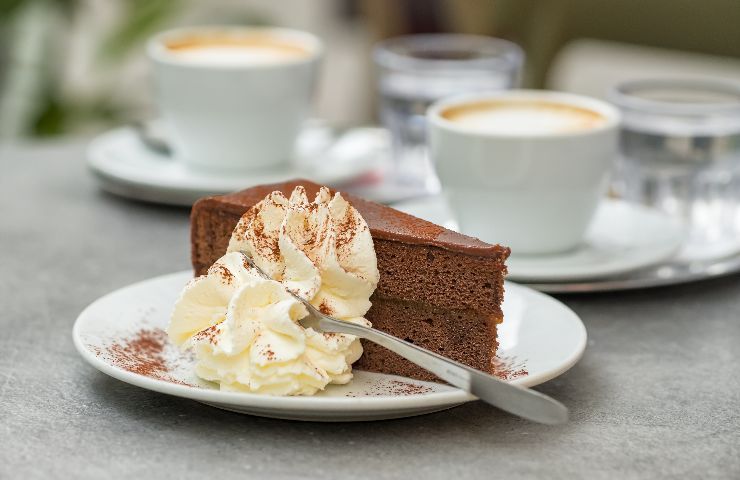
{"x":524,"y":168}
{"x":234,"y":98}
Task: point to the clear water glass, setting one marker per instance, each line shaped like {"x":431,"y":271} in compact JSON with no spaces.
{"x":417,"y":70}
{"x":680,"y":153}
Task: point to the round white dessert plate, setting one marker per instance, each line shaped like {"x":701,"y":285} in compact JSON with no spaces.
{"x":123,"y":165}
{"x":623,"y":237}
{"x":540,"y":339}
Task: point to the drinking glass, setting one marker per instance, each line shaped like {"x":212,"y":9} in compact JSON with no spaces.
{"x":417,"y":70}
{"x":680,"y":153}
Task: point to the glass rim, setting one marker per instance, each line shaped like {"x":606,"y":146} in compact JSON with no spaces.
{"x":386,"y":52}
{"x":624,"y":96}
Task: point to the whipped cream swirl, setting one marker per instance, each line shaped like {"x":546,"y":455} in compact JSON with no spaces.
{"x":244,"y":329}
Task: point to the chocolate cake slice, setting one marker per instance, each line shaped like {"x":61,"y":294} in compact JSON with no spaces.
{"x":438,"y":289}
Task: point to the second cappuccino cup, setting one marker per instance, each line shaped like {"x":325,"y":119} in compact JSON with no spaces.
{"x":524,"y":168}
{"x":234,"y":98}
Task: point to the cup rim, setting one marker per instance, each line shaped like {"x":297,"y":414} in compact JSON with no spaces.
{"x":157,"y":52}
{"x":609,"y":111}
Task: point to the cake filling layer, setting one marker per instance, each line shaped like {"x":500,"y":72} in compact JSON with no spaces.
{"x":465,"y":335}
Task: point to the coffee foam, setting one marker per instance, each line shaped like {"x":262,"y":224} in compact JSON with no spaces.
{"x":252,"y":49}
{"x":523,"y":117}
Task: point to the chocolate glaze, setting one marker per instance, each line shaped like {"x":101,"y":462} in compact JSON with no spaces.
{"x":384,"y":222}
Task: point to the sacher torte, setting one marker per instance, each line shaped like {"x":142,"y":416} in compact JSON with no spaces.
{"x":438,"y":289}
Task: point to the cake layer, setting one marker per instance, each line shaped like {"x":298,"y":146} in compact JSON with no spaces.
{"x":463,"y":335}
{"x":439,"y":277}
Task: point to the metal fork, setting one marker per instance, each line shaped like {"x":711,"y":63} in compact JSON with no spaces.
{"x":519,"y":401}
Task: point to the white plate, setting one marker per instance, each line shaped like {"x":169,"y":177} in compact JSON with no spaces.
{"x":539,"y":334}
{"x":123,"y":165}
{"x":623,"y":237}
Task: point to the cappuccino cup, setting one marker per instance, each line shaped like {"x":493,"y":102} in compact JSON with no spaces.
{"x":234,"y":98}
{"x":524,"y":168}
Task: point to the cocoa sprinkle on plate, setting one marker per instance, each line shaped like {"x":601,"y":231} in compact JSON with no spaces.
{"x":143,"y":354}
{"x":509,"y":368}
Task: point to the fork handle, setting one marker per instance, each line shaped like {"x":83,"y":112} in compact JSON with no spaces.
{"x":520,"y":401}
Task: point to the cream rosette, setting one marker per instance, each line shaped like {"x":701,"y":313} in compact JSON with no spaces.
{"x":244,"y":329}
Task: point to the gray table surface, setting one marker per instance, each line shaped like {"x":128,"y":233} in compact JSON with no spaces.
{"x":657,"y":394}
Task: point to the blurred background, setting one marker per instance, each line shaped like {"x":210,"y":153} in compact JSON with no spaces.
{"x":78,"y":66}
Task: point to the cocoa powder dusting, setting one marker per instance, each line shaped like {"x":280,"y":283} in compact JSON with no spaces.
{"x":266,"y":244}
{"x":240,"y":231}
{"x":347,"y":229}
{"x":325,"y":308}
{"x":509,"y":368}
{"x":393,"y":388}
{"x":222,"y":271}
{"x":208,"y":334}
{"x":143,"y":354}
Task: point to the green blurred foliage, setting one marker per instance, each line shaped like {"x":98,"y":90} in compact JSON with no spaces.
{"x":142,"y":19}
{"x":56,"y":114}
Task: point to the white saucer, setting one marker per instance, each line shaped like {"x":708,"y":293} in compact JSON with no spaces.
{"x":123,"y":165}
{"x":623,"y":237}
{"x":539,"y":334}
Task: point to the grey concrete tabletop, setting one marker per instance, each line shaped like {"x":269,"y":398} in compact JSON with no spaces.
{"x":657,"y":394}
